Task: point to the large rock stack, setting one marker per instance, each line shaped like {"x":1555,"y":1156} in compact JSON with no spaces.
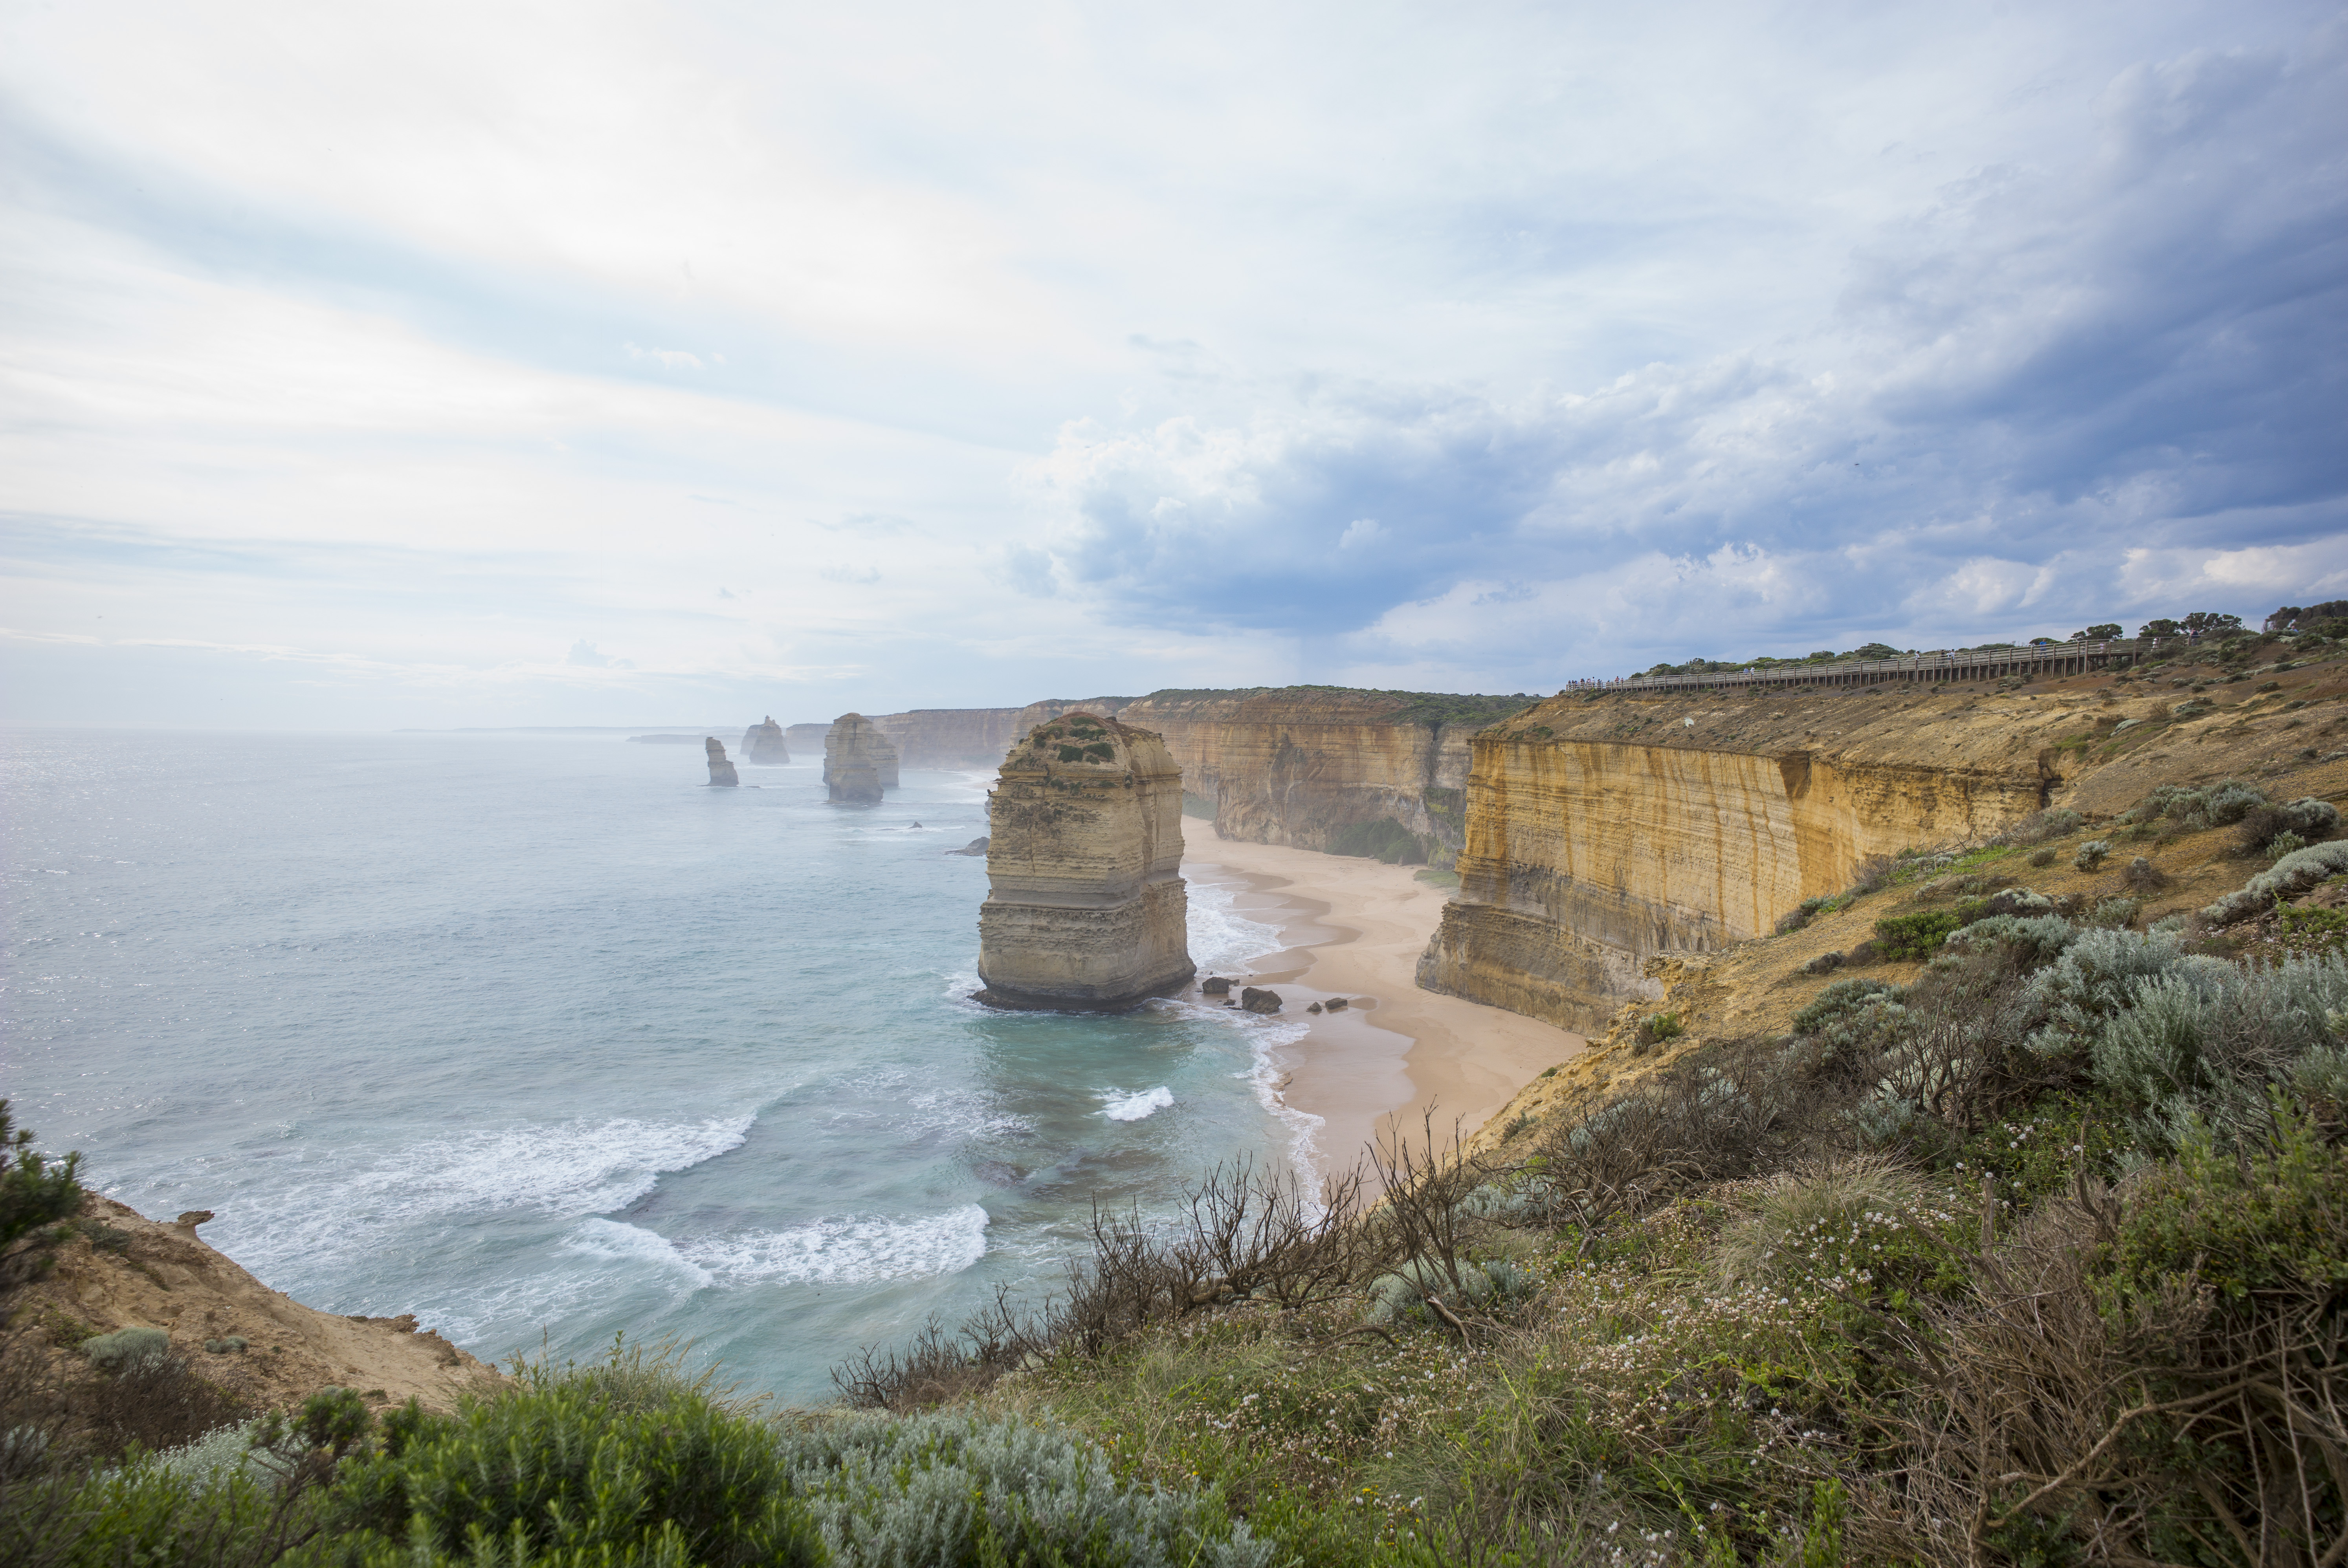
{"x":1087,"y":907}
{"x":721,"y":772}
{"x":763,"y":744}
{"x":884,"y":757}
{"x":851,"y":762}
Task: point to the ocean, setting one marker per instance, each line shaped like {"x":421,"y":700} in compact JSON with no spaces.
{"x":543,"y":1040}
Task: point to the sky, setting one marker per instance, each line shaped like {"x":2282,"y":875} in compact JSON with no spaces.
{"x":609,"y":363}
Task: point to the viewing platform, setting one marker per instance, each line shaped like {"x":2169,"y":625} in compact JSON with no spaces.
{"x":1940,"y":667}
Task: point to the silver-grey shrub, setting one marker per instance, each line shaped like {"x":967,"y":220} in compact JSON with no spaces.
{"x":2036,"y":940}
{"x":2292,"y":875}
{"x":127,"y":1350}
{"x":911,"y":1492}
{"x":2095,"y":978}
{"x":2202,"y":1041}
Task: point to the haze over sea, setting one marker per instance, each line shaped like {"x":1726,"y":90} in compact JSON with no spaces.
{"x":533,"y":1034}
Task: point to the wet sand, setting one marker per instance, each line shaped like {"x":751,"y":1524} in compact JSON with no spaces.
{"x":1353,"y":928}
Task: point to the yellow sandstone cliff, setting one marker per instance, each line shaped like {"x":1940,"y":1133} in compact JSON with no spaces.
{"x":1603,"y":830}
{"x":1086,"y":906}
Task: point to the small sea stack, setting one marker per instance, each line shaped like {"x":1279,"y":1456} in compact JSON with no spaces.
{"x":1086,"y":909}
{"x":721,"y":772}
{"x":763,"y":745}
{"x":852,"y":769}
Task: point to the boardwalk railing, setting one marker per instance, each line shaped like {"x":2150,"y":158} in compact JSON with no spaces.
{"x":2075,"y":657}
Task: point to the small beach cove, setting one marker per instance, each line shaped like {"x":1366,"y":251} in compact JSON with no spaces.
{"x":1355,"y":928}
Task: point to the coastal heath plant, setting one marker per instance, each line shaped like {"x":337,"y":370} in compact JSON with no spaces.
{"x":947,"y":1489}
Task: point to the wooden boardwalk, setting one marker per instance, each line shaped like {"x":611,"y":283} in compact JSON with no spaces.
{"x":1944,"y":666}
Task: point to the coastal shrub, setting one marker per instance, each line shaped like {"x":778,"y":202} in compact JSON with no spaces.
{"x":2095,"y":976}
{"x":2144,"y":876}
{"x":2194,"y":807}
{"x":1919,"y":935}
{"x":1824,"y":963}
{"x":1660,"y":1026}
{"x":1484,"y":1285}
{"x":2033,"y":940}
{"x":2307,"y":821}
{"x":2040,"y":826}
{"x":558,"y":1469}
{"x":1871,"y":874}
{"x":2092,"y":854}
{"x":127,"y":1350}
{"x":2114,"y":913}
{"x":1840,"y":1001}
{"x":958,"y":1489}
{"x":2292,"y":875}
{"x":2282,"y":844}
{"x":2042,"y":856}
{"x":2203,"y":1042}
{"x":1857,"y":1229}
{"x":34,"y":1188}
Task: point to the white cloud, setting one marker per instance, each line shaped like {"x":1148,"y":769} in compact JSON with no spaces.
{"x":1526,"y":338}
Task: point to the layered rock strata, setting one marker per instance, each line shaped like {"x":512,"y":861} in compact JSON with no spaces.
{"x":851,"y":762}
{"x":1085,"y":906}
{"x":884,"y":758}
{"x":945,"y":738}
{"x":721,"y":772}
{"x":764,"y":746}
{"x":807,"y":739}
{"x":1343,"y":772}
{"x":1602,"y":831}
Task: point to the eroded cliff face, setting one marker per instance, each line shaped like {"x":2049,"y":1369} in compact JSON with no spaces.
{"x":164,"y":1275}
{"x":1602,"y":832}
{"x":853,"y":752}
{"x":953,"y":737}
{"x":1317,"y":769}
{"x":1085,"y":904}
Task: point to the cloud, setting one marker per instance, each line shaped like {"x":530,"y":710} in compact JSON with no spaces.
{"x":666,"y":358}
{"x":1478,"y":349}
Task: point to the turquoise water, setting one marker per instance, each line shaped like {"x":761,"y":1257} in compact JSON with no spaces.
{"x":540,"y":1035}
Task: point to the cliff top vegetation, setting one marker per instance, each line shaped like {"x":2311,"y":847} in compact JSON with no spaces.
{"x":1409,"y":707}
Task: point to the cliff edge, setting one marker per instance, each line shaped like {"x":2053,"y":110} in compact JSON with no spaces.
{"x":1602,"y":829}
{"x":121,"y":1270}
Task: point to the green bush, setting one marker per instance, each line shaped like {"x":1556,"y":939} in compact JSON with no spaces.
{"x":2092,"y":854}
{"x":35,"y":1189}
{"x":560,"y":1470}
{"x":2273,"y":1218}
{"x":1922,"y":934}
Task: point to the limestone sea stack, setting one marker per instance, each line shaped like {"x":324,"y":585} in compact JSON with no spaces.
{"x":721,"y":772}
{"x":763,"y":744}
{"x":1086,"y":909}
{"x":884,"y":757}
{"x":852,"y":770}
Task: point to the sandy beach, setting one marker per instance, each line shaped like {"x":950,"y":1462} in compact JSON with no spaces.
{"x":1353,"y":928}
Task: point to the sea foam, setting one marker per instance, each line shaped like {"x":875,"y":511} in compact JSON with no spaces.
{"x":846,"y":1251}
{"x":1119,"y":1106}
